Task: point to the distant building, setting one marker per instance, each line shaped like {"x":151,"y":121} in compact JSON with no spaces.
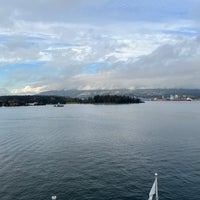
{"x":171,"y":98}
{"x":189,"y":99}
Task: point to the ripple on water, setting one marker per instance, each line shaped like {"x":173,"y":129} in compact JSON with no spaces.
{"x":100,"y":152}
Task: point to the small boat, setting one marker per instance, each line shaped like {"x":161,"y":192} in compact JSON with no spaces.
{"x":59,"y":105}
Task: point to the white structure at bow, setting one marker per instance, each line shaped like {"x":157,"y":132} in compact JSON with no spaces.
{"x":154,"y":189}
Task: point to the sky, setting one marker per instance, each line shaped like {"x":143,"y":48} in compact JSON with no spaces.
{"x":102,"y":44}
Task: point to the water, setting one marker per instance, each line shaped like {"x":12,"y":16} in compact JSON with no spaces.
{"x":100,"y":152}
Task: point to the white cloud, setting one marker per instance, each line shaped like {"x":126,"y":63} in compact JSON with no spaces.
{"x":125,"y":54}
{"x":27,"y":90}
{"x":130,"y":60}
{"x":175,"y":65}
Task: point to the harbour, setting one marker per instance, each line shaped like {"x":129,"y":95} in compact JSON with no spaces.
{"x":100,"y":151}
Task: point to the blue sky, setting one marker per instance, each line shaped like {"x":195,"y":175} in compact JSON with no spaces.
{"x":102,"y":44}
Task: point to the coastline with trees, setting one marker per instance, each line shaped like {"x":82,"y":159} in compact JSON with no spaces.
{"x":36,"y":100}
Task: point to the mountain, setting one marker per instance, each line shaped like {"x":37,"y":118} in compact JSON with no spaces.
{"x":87,"y":93}
{"x":142,"y":93}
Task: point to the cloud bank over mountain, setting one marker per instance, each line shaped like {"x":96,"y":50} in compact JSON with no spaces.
{"x":64,"y":44}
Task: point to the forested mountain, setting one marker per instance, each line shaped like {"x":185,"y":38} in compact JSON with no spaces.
{"x":143,"y":93}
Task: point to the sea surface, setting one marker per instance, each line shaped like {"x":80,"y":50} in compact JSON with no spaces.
{"x":100,"y":152}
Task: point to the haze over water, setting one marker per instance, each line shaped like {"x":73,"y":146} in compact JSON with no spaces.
{"x":100,"y":152}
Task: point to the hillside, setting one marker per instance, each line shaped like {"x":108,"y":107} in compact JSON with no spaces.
{"x":142,"y":93}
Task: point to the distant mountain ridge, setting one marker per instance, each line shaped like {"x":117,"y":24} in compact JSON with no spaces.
{"x":143,"y":93}
{"x":86,"y":93}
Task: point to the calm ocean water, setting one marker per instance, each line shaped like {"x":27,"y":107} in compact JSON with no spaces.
{"x":100,"y":152}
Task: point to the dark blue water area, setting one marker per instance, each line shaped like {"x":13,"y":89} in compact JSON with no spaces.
{"x":100,"y":152}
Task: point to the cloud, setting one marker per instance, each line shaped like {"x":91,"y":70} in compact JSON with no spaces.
{"x":83,"y":44}
{"x":101,"y":12}
{"x":49,"y":10}
{"x":175,"y":65}
{"x":4,"y":91}
{"x":6,"y":15}
{"x":27,"y":90}
{"x":127,"y":61}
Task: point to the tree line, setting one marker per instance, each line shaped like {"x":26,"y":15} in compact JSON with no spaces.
{"x":27,"y":100}
{"x":111,"y":99}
